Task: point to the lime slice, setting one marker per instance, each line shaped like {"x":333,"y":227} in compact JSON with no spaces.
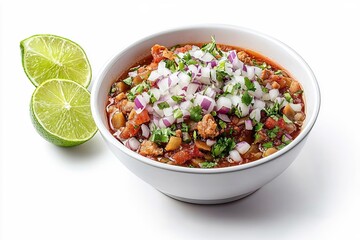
{"x":47,"y":56}
{"x":60,"y":111}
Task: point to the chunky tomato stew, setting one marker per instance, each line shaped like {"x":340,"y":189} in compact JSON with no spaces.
{"x":205,"y":106}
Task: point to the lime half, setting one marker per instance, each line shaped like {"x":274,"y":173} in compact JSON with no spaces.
{"x":48,"y":56}
{"x":60,"y":111}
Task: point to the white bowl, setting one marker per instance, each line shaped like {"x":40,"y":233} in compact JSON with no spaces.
{"x":207,"y":186}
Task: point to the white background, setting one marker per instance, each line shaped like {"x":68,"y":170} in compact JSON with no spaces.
{"x":84,"y":192}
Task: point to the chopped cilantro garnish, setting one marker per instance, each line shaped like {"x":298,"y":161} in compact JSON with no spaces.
{"x":128,"y":81}
{"x":246,"y":98}
{"x":196,"y":113}
{"x":195,"y":135}
{"x":177,"y":99}
{"x":134,"y":68}
{"x":131,"y":96}
{"x":222,"y":147}
{"x":258,"y":126}
{"x":184,"y":127}
{"x":237,"y":112}
{"x":288,"y":97}
{"x":152,"y":98}
{"x":161,"y":135}
{"x":272,"y":133}
{"x":177,"y":113}
{"x":278,"y":72}
{"x":281,"y":146}
{"x":286,"y":119}
{"x":264,"y":89}
{"x":285,"y":140}
{"x":208,"y":164}
{"x":222,"y":124}
{"x":274,"y":110}
{"x":249,"y":84}
{"x":163,"y":105}
{"x":181,"y":66}
{"x":170,"y":64}
{"x":211,"y":48}
{"x":267,"y":145}
{"x":262,"y":66}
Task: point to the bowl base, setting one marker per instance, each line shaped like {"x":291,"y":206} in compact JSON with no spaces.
{"x":212,"y":201}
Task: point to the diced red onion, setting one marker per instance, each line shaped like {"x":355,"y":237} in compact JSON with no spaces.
{"x":174,"y":79}
{"x":186,"y":105}
{"x":296,"y":107}
{"x":258,"y":71}
{"x":163,"y":85}
{"x":288,"y":137}
{"x":192,"y":88}
{"x":242,"y":147}
{"x":255,"y":114}
{"x":132,"y":74}
{"x":207,"y":57}
{"x":210,"y":142}
{"x":140,"y":104}
{"x":234,"y":155}
{"x":154,"y":75}
{"x":145,"y":130}
{"x":259,"y":104}
{"x":168,"y":121}
{"x":224,"y":117}
{"x":273,"y":94}
{"x":206,"y":103}
{"x":213,"y":63}
{"x":248,"y":125}
{"x":168,"y":111}
{"x":250,"y":72}
{"x":244,"y":68}
{"x":133,"y":144}
{"x":223,"y":105}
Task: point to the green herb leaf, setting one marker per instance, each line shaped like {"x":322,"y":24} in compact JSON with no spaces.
{"x":211,"y":48}
{"x":272,"y":133}
{"x":258,"y":126}
{"x":152,"y":98}
{"x":222,"y":124}
{"x":128,"y":81}
{"x":249,"y":84}
{"x":170,"y":64}
{"x":288,"y":97}
{"x":161,"y":135}
{"x":246,"y":98}
{"x":208,"y":164}
{"x":286,"y":119}
{"x":177,"y":113}
{"x":274,"y":110}
{"x":184,"y":127}
{"x":196,"y":113}
{"x":267,"y":145}
{"x":177,"y":99}
{"x":278,"y":72}
{"x":222,"y":147}
{"x":163,"y":105}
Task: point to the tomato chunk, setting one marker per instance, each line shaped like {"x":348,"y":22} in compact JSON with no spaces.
{"x":130,"y":130}
{"x":142,"y":117}
{"x":186,"y":154}
{"x":270,"y":123}
{"x":157,"y":53}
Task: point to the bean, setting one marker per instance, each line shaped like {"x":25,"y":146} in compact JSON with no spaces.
{"x":269,"y":151}
{"x":118,"y":120}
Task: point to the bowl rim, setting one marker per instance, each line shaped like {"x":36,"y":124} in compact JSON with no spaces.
{"x":111,"y":139}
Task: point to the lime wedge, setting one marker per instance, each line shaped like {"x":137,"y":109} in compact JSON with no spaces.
{"x":60,"y":111}
{"x":48,"y":56}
